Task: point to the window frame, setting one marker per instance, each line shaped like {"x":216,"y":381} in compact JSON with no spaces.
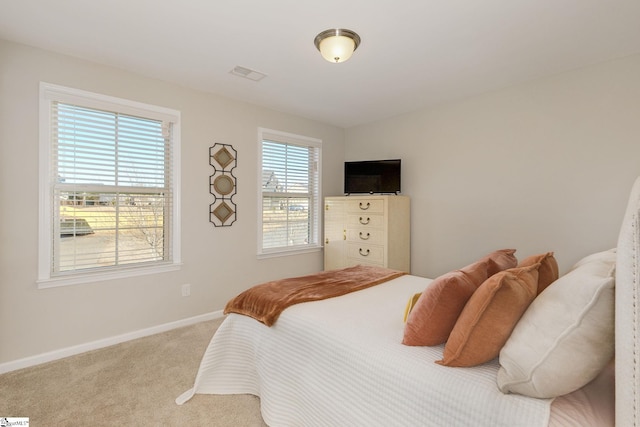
{"x":50,"y":93}
{"x":314,"y":204}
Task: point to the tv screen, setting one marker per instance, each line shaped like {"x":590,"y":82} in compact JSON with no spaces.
{"x":372,"y":176}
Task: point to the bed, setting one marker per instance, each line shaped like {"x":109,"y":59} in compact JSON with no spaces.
{"x":342,"y":361}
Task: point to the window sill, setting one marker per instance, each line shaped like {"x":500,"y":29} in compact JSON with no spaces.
{"x":99,"y":276}
{"x":288,"y":252}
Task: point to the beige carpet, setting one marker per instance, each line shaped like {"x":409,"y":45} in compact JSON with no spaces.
{"x":133,"y":384}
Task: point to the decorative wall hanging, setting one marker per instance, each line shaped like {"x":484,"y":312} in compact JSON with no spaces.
{"x":222,"y":184}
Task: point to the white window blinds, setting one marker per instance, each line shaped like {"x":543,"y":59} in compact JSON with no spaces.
{"x":113,"y":191}
{"x":290,"y":188}
{"x":111,"y":196}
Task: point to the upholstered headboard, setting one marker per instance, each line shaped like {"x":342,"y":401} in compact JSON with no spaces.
{"x":628,"y":315}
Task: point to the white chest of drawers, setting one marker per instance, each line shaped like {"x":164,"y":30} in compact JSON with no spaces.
{"x":371,"y":230}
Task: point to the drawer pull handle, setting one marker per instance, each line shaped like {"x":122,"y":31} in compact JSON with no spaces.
{"x":365,"y":207}
{"x":363,"y":237}
{"x":363,"y":222}
{"x":364,"y":253}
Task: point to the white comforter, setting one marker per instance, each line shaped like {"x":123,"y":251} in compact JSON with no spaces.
{"x":340,"y":362}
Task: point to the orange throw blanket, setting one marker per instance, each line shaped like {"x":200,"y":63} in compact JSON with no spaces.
{"x":265,"y":302}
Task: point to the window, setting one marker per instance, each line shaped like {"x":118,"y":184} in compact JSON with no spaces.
{"x":108,"y":189}
{"x":289,"y":202}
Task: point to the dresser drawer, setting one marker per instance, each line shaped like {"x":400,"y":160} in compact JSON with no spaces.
{"x":365,"y":206}
{"x":365,"y":253}
{"x":366,"y":235}
{"x":365,"y":221}
{"x":362,"y":261}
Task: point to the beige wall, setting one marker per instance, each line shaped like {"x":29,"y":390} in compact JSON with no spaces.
{"x":218,"y":262}
{"x":542,"y":166}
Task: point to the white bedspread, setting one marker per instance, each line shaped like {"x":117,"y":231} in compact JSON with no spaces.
{"x":340,"y":362}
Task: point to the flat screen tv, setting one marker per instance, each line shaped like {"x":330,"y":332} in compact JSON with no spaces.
{"x":372,"y":176}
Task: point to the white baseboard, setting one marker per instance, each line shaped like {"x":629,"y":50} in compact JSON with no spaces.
{"x":106,"y":342}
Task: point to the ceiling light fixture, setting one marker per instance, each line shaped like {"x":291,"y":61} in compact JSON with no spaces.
{"x":337,"y":45}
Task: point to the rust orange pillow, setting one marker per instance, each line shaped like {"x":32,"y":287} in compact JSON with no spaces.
{"x":435,"y":313}
{"x":500,"y":260}
{"x":488,"y":319}
{"x":548,"y":271}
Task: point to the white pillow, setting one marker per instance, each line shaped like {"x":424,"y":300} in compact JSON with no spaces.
{"x":566,"y":336}
{"x":608,"y":256}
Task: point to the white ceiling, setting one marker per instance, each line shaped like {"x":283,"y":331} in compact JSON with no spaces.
{"x":414,"y":53}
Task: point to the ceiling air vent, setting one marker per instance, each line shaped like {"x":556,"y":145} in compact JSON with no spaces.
{"x":247,"y":73}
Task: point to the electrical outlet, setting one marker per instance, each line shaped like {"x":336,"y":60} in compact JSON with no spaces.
{"x":186,"y":290}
